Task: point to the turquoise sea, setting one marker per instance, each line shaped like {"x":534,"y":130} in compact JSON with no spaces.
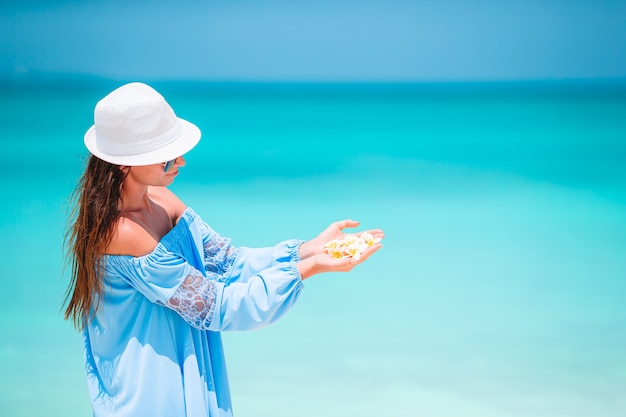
{"x":501,"y":288}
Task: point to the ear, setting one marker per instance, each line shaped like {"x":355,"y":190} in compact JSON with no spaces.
{"x":124,"y":168}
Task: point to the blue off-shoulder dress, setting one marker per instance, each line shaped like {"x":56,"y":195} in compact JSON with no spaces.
{"x":153,"y":347}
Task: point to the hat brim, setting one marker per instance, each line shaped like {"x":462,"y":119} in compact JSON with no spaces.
{"x":189,"y":137}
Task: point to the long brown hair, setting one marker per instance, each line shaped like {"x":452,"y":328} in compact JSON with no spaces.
{"x":93,"y":212}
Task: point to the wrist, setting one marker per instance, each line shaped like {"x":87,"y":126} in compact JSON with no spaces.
{"x":306,"y":267}
{"x":307,"y":249}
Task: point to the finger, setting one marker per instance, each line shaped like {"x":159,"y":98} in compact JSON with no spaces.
{"x":343,"y":224}
{"x":343,"y":264}
{"x":376,"y":232}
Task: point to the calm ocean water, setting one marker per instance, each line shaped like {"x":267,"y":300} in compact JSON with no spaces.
{"x":500,"y":290}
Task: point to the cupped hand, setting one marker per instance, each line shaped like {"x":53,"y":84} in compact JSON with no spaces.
{"x":322,"y":262}
{"x":333,"y":232}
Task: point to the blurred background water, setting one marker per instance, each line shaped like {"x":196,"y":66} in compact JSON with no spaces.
{"x":500,"y":290}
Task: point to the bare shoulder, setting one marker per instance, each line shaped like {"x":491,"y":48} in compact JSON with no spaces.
{"x":138,"y":233}
{"x":169,"y":201}
{"x":129,"y":238}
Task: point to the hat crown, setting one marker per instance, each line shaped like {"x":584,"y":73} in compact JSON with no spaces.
{"x":134,"y":119}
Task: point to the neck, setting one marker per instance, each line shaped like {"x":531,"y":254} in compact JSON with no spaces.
{"x":135,"y":196}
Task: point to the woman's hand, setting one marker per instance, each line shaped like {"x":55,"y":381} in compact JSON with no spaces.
{"x":332,"y":232}
{"x":323,"y":262}
{"x":315,"y":260}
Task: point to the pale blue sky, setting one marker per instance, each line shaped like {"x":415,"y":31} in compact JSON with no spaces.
{"x":322,"y":40}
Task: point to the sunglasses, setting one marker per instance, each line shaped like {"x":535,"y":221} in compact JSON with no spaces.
{"x":168,"y":165}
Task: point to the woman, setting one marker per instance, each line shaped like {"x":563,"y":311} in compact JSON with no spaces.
{"x":152,"y":284}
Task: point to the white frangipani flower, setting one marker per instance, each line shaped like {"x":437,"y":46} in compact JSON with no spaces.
{"x":351,"y":246}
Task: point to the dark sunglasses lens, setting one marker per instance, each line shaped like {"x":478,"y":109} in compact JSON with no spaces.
{"x":168,"y":165}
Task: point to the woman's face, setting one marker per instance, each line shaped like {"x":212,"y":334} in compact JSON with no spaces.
{"x":155,"y":174}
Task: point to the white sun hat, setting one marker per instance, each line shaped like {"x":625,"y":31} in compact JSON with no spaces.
{"x":134,"y":126}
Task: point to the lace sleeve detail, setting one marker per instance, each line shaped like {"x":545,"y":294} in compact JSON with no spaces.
{"x":219,"y":256}
{"x":194,"y":300}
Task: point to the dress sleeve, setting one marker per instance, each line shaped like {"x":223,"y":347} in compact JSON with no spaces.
{"x":195,"y":300}
{"x":257,"y":285}
{"x":211,"y":305}
{"x":210,"y":300}
{"x":229,"y":264}
{"x":260,"y":300}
